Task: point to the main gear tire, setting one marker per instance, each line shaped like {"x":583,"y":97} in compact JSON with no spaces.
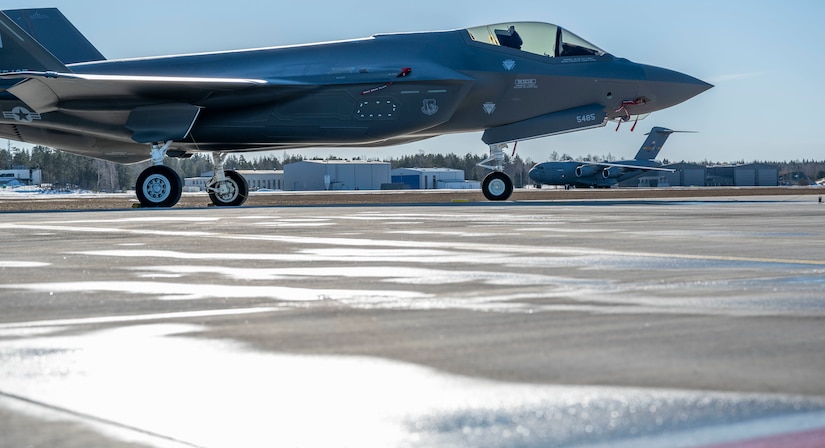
{"x":158,"y":187}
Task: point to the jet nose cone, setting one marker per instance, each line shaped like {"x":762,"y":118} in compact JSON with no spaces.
{"x":667,"y":87}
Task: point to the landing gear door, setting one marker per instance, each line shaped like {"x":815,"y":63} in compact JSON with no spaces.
{"x":578,"y":118}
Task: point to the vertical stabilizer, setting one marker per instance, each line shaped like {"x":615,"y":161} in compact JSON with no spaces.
{"x":653,"y":144}
{"x":50,"y":28}
{"x":20,"y":52}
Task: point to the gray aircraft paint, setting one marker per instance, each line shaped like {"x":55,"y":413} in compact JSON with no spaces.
{"x":382,"y":90}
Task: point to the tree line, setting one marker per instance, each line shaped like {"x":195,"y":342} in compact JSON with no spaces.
{"x":65,"y":170}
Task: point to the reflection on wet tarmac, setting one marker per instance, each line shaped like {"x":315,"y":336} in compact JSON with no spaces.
{"x":98,"y":312}
{"x":223,"y":394}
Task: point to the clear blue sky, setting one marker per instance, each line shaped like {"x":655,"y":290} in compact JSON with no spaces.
{"x":766,"y":59}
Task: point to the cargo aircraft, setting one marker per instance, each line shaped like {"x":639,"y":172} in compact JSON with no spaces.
{"x":604,"y":174}
{"x":513,"y":81}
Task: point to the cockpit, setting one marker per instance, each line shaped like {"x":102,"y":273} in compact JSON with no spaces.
{"x":535,"y":37}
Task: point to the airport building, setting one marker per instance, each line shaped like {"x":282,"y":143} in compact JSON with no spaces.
{"x":694,"y":175}
{"x":257,"y":180}
{"x":309,"y":175}
{"x":264,"y":179}
{"x":319,"y":175}
{"x":432,"y":179}
{"x":747,"y":175}
{"x":20,"y":176}
{"x":686,"y":175}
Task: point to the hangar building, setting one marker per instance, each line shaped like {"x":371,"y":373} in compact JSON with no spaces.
{"x":686,"y":175}
{"x":694,"y":175}
{"x":257,"y":180}
{"x":432,"y":178}
{"x":315,"y":175}
{"x":747,"y":175}
{"x":264,"y":179}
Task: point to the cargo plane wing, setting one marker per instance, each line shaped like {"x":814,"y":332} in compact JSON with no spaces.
{"x":513,"y":81}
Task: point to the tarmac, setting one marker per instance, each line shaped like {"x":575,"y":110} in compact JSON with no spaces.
{"x":649,"y":321}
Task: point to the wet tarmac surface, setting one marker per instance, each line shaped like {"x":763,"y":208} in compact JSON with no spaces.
{"x":578,"y":323}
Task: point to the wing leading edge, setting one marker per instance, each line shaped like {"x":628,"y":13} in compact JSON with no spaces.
{"x":626,"y":166}
{"x":50,"y":91}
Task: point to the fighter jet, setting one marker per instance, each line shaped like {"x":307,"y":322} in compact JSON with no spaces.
{"x":514,"y":81}
{"x":604,"y":174}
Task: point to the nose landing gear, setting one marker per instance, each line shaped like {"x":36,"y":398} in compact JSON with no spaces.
{"x":227,"y":188}
{"x":496,"y":186}
{"x":230,"y":192}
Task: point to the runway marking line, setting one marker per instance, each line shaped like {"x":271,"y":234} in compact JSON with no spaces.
{"x":137,"y":317}
{"x":354,"y":242}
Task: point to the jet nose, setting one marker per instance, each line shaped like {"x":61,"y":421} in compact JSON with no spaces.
{"x":666,"y":88}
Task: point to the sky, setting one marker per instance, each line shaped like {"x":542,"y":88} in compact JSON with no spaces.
{"x":765,"y":58}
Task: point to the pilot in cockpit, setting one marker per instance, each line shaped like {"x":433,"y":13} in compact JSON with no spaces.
{"x":509,"y":38}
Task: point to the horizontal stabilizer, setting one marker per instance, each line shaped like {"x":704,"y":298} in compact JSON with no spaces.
{"x":579,"y":118}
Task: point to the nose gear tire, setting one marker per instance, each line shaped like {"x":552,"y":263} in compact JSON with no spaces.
{"x":497,"y":186}
{"x":231,"y":192}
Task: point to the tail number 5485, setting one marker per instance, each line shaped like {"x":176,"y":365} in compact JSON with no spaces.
{"x":585,"y":118}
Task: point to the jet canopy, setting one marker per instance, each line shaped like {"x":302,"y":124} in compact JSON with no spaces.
{"x":535,"y":37}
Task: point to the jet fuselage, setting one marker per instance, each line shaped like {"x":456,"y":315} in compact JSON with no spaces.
{"x":383,"y":90}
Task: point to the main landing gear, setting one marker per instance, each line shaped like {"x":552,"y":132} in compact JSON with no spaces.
{"x":227,"y":188}
{"x":160,"y":186}
{"x":496,"y":186}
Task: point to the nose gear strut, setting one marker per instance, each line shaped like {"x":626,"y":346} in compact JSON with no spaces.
{"x":496,"y":186}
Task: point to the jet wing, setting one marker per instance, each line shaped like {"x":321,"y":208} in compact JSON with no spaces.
{"x":623,"y":165}
{"x":49,"y":91}
{"x":156,"y":108}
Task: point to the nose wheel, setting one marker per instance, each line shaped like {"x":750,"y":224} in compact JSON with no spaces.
{"x":227,"y":188}
{"x":232,"y":191}
{"x":497,"y":186}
